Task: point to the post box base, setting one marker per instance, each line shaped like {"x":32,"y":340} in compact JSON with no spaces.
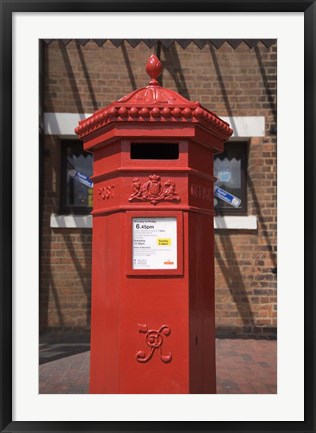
{"x":153,"y":334}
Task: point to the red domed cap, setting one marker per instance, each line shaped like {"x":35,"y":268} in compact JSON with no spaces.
{"x":154,"y":103}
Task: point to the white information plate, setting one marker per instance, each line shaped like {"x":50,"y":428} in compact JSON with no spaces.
{"x":154,"y":243}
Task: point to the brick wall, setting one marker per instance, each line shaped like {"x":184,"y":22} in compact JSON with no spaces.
{"x":65,"y":268}
{"x":231,"y":82}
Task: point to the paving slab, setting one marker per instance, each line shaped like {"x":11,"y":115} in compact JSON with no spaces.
{"x":242,"y":367}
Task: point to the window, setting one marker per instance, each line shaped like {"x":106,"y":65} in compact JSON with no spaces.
{"x":76,"y":185}
{"x":230,"y":169}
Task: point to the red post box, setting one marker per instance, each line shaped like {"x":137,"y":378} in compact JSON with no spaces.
{"x":152,"y":326}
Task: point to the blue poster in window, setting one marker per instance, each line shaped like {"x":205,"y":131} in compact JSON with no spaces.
{"x":80,"y":177}
{"x":224,"y":175}
{"x":227,"y":197}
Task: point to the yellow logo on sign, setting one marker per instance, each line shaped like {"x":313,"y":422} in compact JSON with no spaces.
{"x":163,"y":242}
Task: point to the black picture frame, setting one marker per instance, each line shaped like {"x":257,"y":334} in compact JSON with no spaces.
{"x":7,"y":8}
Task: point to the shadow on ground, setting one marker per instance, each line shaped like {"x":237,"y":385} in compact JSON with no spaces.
{"x":52,"y":347}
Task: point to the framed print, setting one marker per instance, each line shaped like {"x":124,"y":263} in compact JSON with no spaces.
{"x":253,"y":63}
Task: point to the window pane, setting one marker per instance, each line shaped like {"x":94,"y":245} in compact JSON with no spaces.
{"x":79,"y":184}
{"x":230,"y":186}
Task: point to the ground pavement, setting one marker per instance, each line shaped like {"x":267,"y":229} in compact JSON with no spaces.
{"x":242,"y":366}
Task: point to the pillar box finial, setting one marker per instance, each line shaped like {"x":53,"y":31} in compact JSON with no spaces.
{"x":153,"y":69}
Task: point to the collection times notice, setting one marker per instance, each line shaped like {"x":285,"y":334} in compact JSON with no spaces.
{"x":154,"y":243}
